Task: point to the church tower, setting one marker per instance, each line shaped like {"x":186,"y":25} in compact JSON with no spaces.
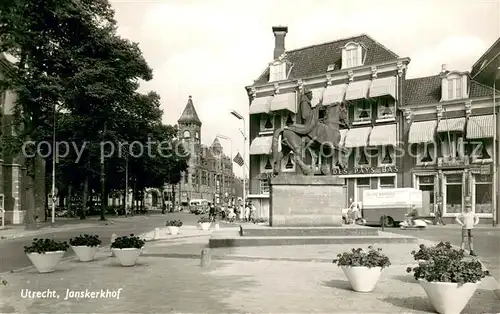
{"x":190,"y":133}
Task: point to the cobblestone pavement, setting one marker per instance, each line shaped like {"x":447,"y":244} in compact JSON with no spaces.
{"x":168,"y":278}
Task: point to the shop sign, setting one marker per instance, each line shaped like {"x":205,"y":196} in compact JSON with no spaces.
{"x":366,"y":170}
{"x":485,"y":169}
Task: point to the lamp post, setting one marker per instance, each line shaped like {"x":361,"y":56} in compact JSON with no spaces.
{"x":495,"y":153}
{"x":240,"y":117}
{"x":54,"y":156}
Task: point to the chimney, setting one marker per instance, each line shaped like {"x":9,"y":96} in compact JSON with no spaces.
{"x":279,"y":43}
{"x":444,"y":68}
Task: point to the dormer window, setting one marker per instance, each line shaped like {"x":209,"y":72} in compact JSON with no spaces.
{"x":352,"y":55}
{"x":277,"y":71}
{"x":454,"y":86}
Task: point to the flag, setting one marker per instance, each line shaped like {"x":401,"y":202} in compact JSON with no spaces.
{"x":239,"y":160}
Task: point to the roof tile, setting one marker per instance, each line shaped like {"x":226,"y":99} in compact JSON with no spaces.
{"x":189,"y":114}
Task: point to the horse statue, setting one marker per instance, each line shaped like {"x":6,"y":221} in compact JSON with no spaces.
{"x":315,"y":132}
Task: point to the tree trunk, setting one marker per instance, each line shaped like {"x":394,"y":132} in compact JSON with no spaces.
{"x":85,"y":196}
{"x":30,"y":217}
{"x":70,"y":193}
{"x":46,"y":207}
{"x":173,"y":198}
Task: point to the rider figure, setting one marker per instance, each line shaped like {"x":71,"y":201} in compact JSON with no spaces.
{"x":412,"y":215}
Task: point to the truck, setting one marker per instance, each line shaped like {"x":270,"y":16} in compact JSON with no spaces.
{"x":393,"y":204}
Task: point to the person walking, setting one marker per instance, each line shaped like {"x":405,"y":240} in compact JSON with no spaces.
{"x":438,"y":213}
{"x":252,"y":211}
{"x":247,"y":212}
{"x":212,"y":212}
{"x":468,"y":220}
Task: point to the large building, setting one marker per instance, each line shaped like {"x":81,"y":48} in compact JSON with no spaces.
{"x":432,"y":133}
{"x":210,"y":175}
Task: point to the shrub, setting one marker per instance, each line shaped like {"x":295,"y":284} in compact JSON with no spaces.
{"x":441,"y":249}
{"x":128,"y":242}
{"x":443,"y":268}
{"x":204,"y":219}
{"x":41,"y":246}
{"x":174,"y":223}
{"x":358,"y":257}
{"x":85,"y":240}
{"x":259,"y":220}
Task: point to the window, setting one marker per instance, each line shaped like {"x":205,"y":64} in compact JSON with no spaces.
{"x":362,"y":184}
{"x":362,"y":157}
{"x":482,"y":150}
{"x":204,"y":178}
{"x":386,"y":157}
{"x":426,"y":153}
{"x":426,"y":185}
{"x":265,"y":164}
{"x":352,"y":56}
{"x":483,"y":190}
{"x":363,"y":111}
{"x":186,"y":134}
{"x":287,"y":118}
{"x":455,"y":88}
{"x":386,"y":108}
{"x":266,"y":122}
{"x":264,"y":186}
{"x":452,"y":146}
{"x":387,"y":182}
{"x":288,"y":163}
{"x":277,"y":72}
{"x":186,"y":177}
{"x":453,"y":193}
{"x":197,"y":135}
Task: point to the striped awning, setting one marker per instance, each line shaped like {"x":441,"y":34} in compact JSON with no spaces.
{"x":383,"y":87}
{"x":334,"y":94}
{"x":451,"y":125}
{"x":260,"y":105}
{"x":317,"y":96}
{"x":287,"y":101}
{"x":422,"y":132}
{"x":481,"y":127}
{"x":261,"y":145}
{"x":357,"y":137}
{"x":383,"y":135}
{"x":357,"y":90}
{"x":343,"y":134}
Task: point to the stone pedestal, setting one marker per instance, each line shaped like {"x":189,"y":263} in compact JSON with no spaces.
{"x":306,"y":201}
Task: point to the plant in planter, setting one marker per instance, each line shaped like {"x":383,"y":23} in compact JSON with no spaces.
{"x":363,"y":268}
{"x":425,"y":253}
{"x":259,"y":221}
{"x":173,"y":226}
{"x":449,"y":282}
{"x":85,"y":246}
{"x":205,"y":222}
{"x":127,"y":249}
{"x":45,"y":254}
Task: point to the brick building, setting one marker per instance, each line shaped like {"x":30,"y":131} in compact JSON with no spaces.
{"x":358,"y":71}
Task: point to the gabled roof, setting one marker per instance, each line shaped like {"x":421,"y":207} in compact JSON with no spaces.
{"x":487,"y":59}
{"x":314,"y":60}
{"x":189,"y":114}
{"x":427,"y":90}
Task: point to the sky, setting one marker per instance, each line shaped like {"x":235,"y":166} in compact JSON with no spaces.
{"x":212,"y":49}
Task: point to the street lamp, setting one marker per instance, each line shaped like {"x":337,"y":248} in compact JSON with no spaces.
{"x":240,"y":117}
{"x":54,"y":153}
{"x":495,"y":163}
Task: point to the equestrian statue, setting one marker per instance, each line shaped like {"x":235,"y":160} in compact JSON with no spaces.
{"x":315,"y":134}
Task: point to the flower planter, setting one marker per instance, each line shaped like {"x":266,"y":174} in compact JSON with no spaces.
{"x":85,"y":253}
{"x":205,"y":226}
{"x":46,"y":262}
{"x":362,"y":279}
{"x":448,"y":297}
{"x":128,"y":256}
{"x":173,"y":230}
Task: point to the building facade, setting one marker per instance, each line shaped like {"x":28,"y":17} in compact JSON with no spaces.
{"x":358,"y":72}
{"x":210,"y":174}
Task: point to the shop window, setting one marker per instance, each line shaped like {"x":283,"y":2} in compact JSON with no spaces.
{"x":453,"y":193}
{"x":264,"y":186}
{"x":387,"y":182}
{"x":483,"y":190}
{"x":386,"y":108}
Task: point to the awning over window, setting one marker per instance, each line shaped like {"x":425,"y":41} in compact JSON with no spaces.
{"x":481,"y":127}
{"x":383,"y":87}
{"x":317,"y":95}
{"x":286,"y":101}
{"x":357,"y":137}
{"x":357,"y":90}
{"x":261,"y":145}
{"x":422,"y":132}
{"x":451,"y":125}
{"x":334,"y":94}
{"x":343,"y":134}
{"x":261,"y":105}
{"x":383,"y":135}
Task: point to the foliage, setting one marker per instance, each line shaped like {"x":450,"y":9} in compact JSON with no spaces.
{"x":85,"y":240}
{"x":174,"y":223}
{"x":442,"y":248}
{"x":259,"y":220}
{"x":360,"y":258}
{"x":41,"y":246}
{"x":447,"y":268}
{"x":204,"y":219}
{"x":128,"y":242}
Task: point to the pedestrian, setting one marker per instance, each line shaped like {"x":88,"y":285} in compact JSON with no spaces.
{"x":467,"y":220}
{"x":164,"y":208}
{"x":252,"y":211}
{"x":438,"y":213}
{"x":247,"y":212}
{"x":212,"y":212}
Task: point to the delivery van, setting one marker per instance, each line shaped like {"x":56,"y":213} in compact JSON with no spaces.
{"x":394,"y":204}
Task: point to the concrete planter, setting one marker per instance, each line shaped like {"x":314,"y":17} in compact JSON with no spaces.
{"x":173,"y":230}
{"x":46,"y":262}
{"x":128,"y":256}
{"x":205,"y":226}
{"x":362,"y":279}
{"x":448,"y":297}
{"x":85,"y":253}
